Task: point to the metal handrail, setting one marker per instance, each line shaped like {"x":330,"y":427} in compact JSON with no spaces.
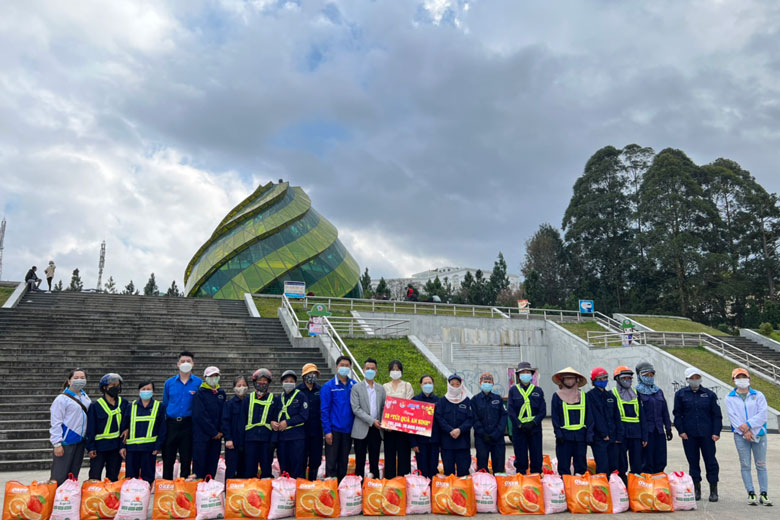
{"x":289,"y":308}
{"x":371,"y":326}
{"x":607,"y":321}
{"x":610,"y":339}
{"x":334,"y":336}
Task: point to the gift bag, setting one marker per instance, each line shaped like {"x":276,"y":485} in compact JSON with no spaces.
{"x":67,"y":500}
{"x":384,"y":497}
{"x":485,"y":492}
{"x":683,"y":495}
{"x":321,"y":470}
{"x":418,"y":494}
{"x":509,"y":466}
{"x":134,"y":500}
{"x":282,"y":497}
{"x":554,"y":493}
{"x":221,"y":469}
{"x":210,"y":500}
{"x":174,"y":499}
{"x":619,"y":493}
{"x":351,"y":495}
{"x":600,"y":495}
{"x":317,"y":499}
{"x":453,"y":496}
{"x":592,"y":466}
{"x":588,"y":493}
{"x":33,"y":502}
{"x":247,"y":498}
{"x":648,"y":493}
{"x":276,"y":471}
{"x":100,"y":499}
{"x":473,"y":466}
{"x":520,"y":494}
{"x":158,"y":470}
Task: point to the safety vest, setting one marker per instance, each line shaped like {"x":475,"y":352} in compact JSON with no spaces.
{"x":115,"y":413}
{"x":525,"y":411}
{"x":567,"y":425}
{"x":284,"y":411}
{"x":621,"y":403}
{"x":135,"y":419}
{"x":266,"y":404}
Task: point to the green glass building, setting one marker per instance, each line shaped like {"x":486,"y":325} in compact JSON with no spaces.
{"x":273,"y":236}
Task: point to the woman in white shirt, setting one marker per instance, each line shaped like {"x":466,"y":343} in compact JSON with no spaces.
{"x":69,"y":427}
{"x":398,"y":452}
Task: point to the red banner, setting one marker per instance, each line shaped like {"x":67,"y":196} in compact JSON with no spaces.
{"x":406,"y":415}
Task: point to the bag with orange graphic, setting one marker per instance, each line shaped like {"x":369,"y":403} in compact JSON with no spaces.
{"x":453,"y":495}
{"x":648,"y":493}
{"x":588,"y":493}
{"x":100,"y":499}
{"x":317,"y":499}
{"x":247,"y":498}
{"x":520,"y":494}
{"x":33,"y":502}
{"x":174,"y":499}
{"x":384,"y":497}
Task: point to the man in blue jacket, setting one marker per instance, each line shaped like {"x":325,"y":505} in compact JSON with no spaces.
{"x":178,"y":393}
{"x":313,"y":426}
{"x":526,"y":409}
{"x":489,"y":415}
{"x":602,"y":404}
{"x":337,"y":418}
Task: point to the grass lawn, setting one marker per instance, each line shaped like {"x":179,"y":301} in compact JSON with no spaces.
{"x":581,"y":329}
{"x":386,"y":350}
{"x":720,"y":368}
{"x":5,"y":292}
{"x":674,"y":325}
{"x":267,"y":306}
{"x":775,"y":335}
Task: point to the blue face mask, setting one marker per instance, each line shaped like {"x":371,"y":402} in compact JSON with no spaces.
{"x":648,"y":380}
{"x":600,"y":384}
{"x":525,"y":378}
{"x":370,"y":374}
{"x":427,"y":388}
{"x":487,"y":387}
{"x":344,"y":371}
{"x":146,"y":394}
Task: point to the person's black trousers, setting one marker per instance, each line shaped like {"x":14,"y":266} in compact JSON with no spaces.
{"x":428,"y":459}
{"x":629,"y":450}
{"x":313,"y":456}
{"x":337,"y":455}
{"x":654,"y":454}
{"x":178,"y":440}
{"x":494,"y":450}
{"x":571,"y":453}
{"x":111,"y":460}
{"x":141,"y":464}
{"x":528,"y":445}
{"x":235,"y":462}
{"x":693,"y":446}
{"x":460,"y":458}
{"x":605,"y":453}
{"x":372,"y":443}
{"x":398,"y":454}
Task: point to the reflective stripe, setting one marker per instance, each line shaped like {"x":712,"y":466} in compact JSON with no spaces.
{"x":567,"y":425}
{"x":266,"y":403}
{"x":284,"y":409}
{"x":134,"y":419}
{"x":525,"y":410}
{"x":116,"y":412}
{"x":621,"y":403}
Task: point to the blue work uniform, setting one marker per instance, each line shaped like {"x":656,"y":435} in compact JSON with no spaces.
{"x":207,"y":406}
{"x":527,"y":426}
{"x":233,"y":430}
{"x":655,"y":414}
{"x":489,"y":427}
{"x":103,"y":437}
{"x":256,"y":416}
{"x":602,"y":406}
{"x":631,"y":433}
{"x":573,"y":427}
{"x":294,"y":409}
{"x":697,"y":414}
{"x":312,"y":457}
{"x":146,"y":434}
{"x":455,"y":453}
{"x":427,"y":454}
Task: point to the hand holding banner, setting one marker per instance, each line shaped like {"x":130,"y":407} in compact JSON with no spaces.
{"x":408,"y":416}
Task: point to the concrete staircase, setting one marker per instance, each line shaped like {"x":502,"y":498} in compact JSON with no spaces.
{"x":139,"y":337}
{"x":755,"y":348}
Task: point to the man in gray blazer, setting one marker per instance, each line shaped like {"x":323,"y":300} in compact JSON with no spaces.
{"x":367,"y":399}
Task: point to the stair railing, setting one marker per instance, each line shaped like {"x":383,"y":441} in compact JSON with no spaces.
{"x":333,"y":334}
{"x":607,"y":321}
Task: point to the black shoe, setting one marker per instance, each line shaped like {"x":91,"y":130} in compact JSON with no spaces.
{"x":714,"y":492}
{"x":697,"y":490}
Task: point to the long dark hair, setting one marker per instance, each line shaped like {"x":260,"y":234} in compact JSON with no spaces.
{"x":66,"y":384}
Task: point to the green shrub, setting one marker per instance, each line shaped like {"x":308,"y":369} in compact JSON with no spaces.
{"x":724,"y":327}
{"x":765,"y":329}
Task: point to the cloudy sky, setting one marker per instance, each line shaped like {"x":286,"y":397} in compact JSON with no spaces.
{"x":431,"y":132}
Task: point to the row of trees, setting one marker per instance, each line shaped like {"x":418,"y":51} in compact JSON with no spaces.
{"x":150,"y":289}
{"x":656,"y":233}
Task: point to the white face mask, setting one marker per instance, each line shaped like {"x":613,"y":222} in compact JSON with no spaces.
{"x":78,"y":384}
{"x":186,"y":367}
{"x":395,"y":374}
{"x":453,"y":392}
{"x":742,"y":382}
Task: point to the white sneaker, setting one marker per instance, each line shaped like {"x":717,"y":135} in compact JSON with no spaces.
{"x":752,"y":499}
{"x":765,"y":500}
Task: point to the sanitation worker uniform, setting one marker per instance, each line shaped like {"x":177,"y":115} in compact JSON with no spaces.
{"x":256,"y":416}
{"x":233,"y":430}
{"x":103,"y":428}
{"x":455,"y":452}
{"x":526,"y":409}
{"x":489,"y":427}
{"x":207,"y":407}
{"x":631,"y":433}
{"x":573,"y":427}
{"x":293,"y":408}
{"x":147,"y":429}
{"x":428,"y":454}
{"x":313,"y":429}
{"x":602,"y":406}
{"x":697,"y":414}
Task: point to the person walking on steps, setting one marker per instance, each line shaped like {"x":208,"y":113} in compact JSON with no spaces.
{"x":489,"y":414}
{"x":49,"y":272}
{"x":426,"y":449}
{"x":367,"y":399}
{"x":747,"y":409}
{"x":207,"y":407}
{"x":146,"y":427}
{"x":233,"y":430}
{"x":398,"y":451}
{"x":105,"y":438}
{"x":656,"y":416}
{"x":68,"y":430}
{"x":602,"y":405}
{"x":178,"y":394}
{"x":453,"y":413}
{"x":337,"y":417}
{"x":257,"y":412}
{"x":698,"y":420}
{"x":289,"y":426}
{"x":572,"y":423}
{"x":526,"y":408}
{"x":312,"y":457}
{"x":631,"y":429}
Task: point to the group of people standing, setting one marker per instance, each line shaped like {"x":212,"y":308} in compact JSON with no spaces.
{"x":34,"y":282}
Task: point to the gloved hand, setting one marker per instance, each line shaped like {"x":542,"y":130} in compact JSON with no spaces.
{"x":669,"y":435}
{"x":528,"y":426}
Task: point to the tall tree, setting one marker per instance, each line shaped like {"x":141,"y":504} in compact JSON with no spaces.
{"x":75,"y":282}
{"x":382,"y":290}
{"x":151,"y":289}
{"x":498,"y":281}
{"x":57,"y":287}
{"x":365,"y":283}
{"x":130,"y":289}
{"x":173,"y":290}
{"x":545,"y":268}
{"x":634,"y":161}
{"x":110,"y":286}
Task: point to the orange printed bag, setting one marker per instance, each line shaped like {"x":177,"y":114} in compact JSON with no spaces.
{"x":100,"y":499}
{"x":453,"y":495}
{"x":317,"y":498}
{"x":588,"y":493}
{"x":174,"y":499}
{"x":384,"y":497}
{"x":547,"y":465}
{"x":247,"y":498}
{"x":33,"y":502}
{"x":648,"y":493}
{"x":592,"y":466}
{"x":520,"y":494}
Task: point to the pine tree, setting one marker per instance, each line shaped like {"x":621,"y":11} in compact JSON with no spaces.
{"x":151,"y":288}
{"x":57,"y":287}
{"x":130,"y":289}
{"x":110,"y":286}
{"x":382,"y":291}
{"x":499,"y":281}
{"x":76,"y":284}
{"x":173,"y":290}
{"x":365,"y":283}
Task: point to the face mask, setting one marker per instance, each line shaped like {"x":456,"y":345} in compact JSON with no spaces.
{"x":114,"y":391}
{"x":453,"y":392}
{"x":370,"y":374}
{"x":78,"y":384}
{"x":146,"y":394}
{"x":694,"y":383}
{"x":625,"y":383}
{"x":212,"y":381}
{"x":185,"y":367}
{"x":310,"y":378}
{"x":261,"y":387}
{"x":526,"y":378}
{"x":600,"y":384}
{"x":344,"y":371}
{"x":742,"y":382}
{"x":288,"y":387}
{"x":395,"y":374}
{"x":240,"y":390}
{"x":487,"y":387}
{"x":648,"y":380}
{"x":427,"y":388}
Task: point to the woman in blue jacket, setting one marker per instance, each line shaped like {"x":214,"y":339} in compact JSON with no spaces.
{"x":68,"y":430}
{"x":233,"y":429}
{"x":207,"y":408}
{"x":293,"y":412}
{"x":453,"y":414}
{"x":426,"y":449}
{"x":257,"y":412}
{"x":656,"y":417}
{"x":572,"y":423}
{"x":146,"y":427}
{"x":104,"y":433}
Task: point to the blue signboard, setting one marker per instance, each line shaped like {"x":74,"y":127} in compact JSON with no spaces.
{"x":295,"y":289}
{"x":587,"y":307}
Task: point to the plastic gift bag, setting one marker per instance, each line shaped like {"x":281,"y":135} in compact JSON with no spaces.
{"x":648,"y":493}
{"x":485,"y":492}
{"x":619,"y":493}
{"x":588,"y":493}
{"x":282,"y":497}
{"x":134,"y":500}
{"x":100,"y":499}
{"x":221,"y":469}
{"x":247,"y":498}
{"x":174,"y":499}
{"x":520,"y":494}
{"x":158,"y":470}
{"x":33,"y":502}
{"x":317,"y":499}
{"x":683,"y":495}
{"x":383,"y":497}
{"x":210,"y":500}
{"x":473,"y":466}
{"x":321,"y":471}
{"x":453,"y":495}
{"x":509,"y":466}
{"x":554,"y":493}
{"x":351,"y":495}
{"x":276,"y":471}
{"x":418,"y":494}
{"x":67,"y":500}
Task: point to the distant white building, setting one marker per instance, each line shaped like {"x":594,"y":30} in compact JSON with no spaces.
{"x":454,"y":275}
